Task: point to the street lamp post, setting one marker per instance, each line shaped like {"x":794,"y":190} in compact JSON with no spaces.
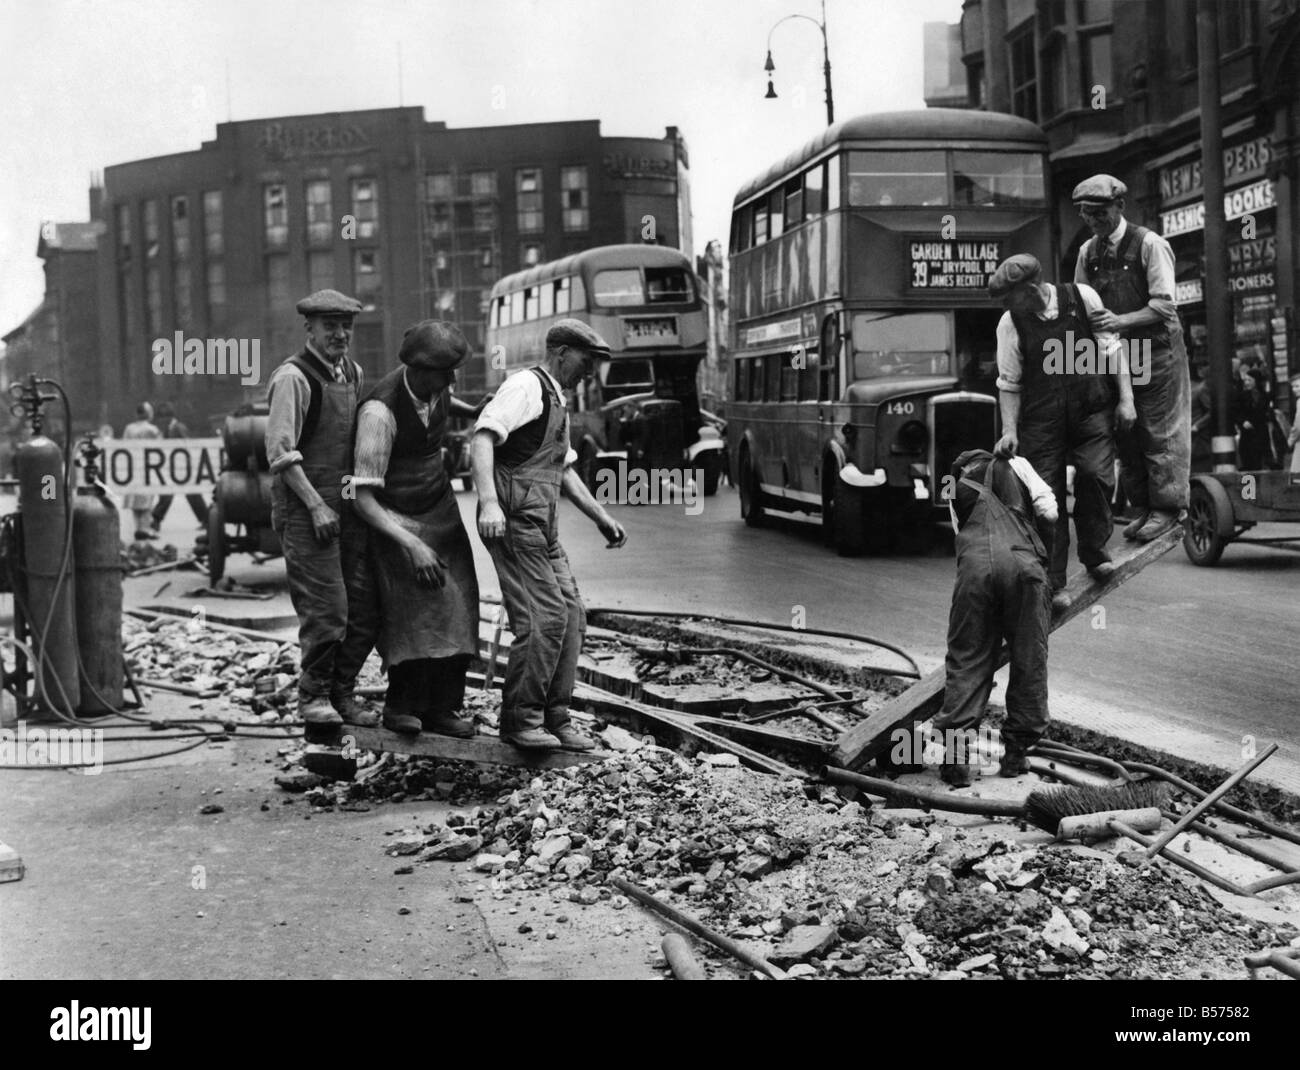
{"x":769,"y":66}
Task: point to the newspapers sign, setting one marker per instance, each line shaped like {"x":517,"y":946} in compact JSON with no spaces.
{"x":1236,"y":203}
{"x":161,"y":466}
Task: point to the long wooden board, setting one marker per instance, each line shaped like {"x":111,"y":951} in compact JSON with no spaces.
{"x":486,"y":749}
{"x":870,"y":737}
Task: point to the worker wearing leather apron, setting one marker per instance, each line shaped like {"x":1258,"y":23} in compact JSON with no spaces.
{"x":1132,"y":269}
{"x":522,"y":464}
{"x":313,"y":400}
{"x":1001,"y":594}
{"x":422,"y":561}
{"x":1061,"y":388}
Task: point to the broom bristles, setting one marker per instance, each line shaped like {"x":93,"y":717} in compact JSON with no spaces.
{"x":1045,"y":807}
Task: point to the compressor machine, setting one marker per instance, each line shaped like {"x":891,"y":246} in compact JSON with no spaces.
{"x":59,"y":556}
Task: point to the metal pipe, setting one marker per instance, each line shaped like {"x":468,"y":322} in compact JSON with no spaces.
{"x":1179,"y":860}
{"x":681,"y":959}
{"x":1196,"y":811}
{"x":1277,"y":880}
{"x":1049,"y":749}
{"x":701,"y":930}
{"x":1249,"y":850}
{"x":1286,"y":965}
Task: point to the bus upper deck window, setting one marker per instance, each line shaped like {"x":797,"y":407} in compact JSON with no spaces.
{"x":794,"y":202}
{"x":998,"y":178}
{"x":666,"y":286}
{"x":814,"y":191}
{"x":894,"y":178}
{"x":760,"y":222}
{"x":617,"y":288}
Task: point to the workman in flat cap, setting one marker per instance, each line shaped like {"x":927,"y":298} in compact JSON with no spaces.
{"x":1062,"y":386}
{"x":422,"y":561}
{"x":313,"y":399}
{"x":522,"y":464}
{"x":1132,"y":269}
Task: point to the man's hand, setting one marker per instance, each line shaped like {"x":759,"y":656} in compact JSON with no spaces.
{"x":613,"y":531}
{"x":326,"y":523}
{"x":1006,"y":445}
{"x":430,"y":569}
{"x":491,"y":521}
{"x":1294,"y":435}
{"x":1104,"y":320}
{"x":1126,"y":414}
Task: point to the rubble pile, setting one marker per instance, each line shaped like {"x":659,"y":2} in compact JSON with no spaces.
{"x":144,"y":554}
{"x":820,"y":887}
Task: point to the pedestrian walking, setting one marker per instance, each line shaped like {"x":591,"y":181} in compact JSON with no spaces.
{"x":170,"y":426}
{"x":141,"y":505}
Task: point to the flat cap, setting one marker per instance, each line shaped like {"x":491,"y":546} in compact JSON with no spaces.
{"x":1012,"y":272}
{"x":1098,"y":190}
{"x":434,"y":344}
{"x":329,"y":303}
{"x":571,"y":332}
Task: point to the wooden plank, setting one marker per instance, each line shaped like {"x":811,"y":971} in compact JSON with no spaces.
{"x":11,"y":864}
{"x":485,"y":749}
{"x":856,"y":747}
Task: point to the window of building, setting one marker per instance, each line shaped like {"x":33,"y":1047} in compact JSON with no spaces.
{"x":180,"y":228}
{"x":215,"y":281}
{"x":365,"y":206}
{"x":181,"y":281}
{"x":485,"y":218}
{"x":575,"y":214}
{"x":1024,"y":79}
{"x":881,"y":178}
{"x":976,"y":87}
{"x":213,"y":243}
{"x":438,"y":187}
{"x":1095,"y":11}
{"x":152,"y":301}
{"x":483,"y":183}
{"x":1098,"y":70}
{"x":275,"y":216}
{"x":463,"y":215}
{"x":320,"y":222}
{"x":1236,"y":24}
{"x":998,"y":178}
{"x":123,"y":213}
{"x":150,"y":230}
{"x":440,"y":220}
{"x":530,"y":253}
{"x":528,"y":200}
{"x":1055,"y":77}
{"x":1053,"y":14}
{"x":277,"y":282}
{"x":320,"y":270}
{"x":367,"y":279}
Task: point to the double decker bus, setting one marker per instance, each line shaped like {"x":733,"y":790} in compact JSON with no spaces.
{"x":642,"y":408}
{"x":863,"y":338}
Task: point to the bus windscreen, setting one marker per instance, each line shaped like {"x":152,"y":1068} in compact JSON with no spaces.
{"x":617,"y":289}
{"x":892,"y":344}
{"x":894,"y":178}
{"x":998,"y":178}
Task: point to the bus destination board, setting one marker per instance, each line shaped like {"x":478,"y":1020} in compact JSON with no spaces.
{"x":952,"y":265}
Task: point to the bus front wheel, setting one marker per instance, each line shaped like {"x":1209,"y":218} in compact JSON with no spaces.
{"x":751,"y":497}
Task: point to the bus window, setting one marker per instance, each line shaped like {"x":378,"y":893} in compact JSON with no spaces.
{"x":531,"y":299}
{"x":772,"y":378}
{"x":561,"y":288}
{"x":741,"y":388}
{"x":755,"y":378}
{"x":667,"y":286}
{"x":501,"y":313}
{"x":833,"y":166}
{"x":794,"y":202}
{"x":775,"y":213}
{"x":743,"y":229}
{"x":760,"y":222}
{"x":623,"y":377}
{"x":828,"y":377}
{"x":814,"y":191}
{"x":614,"y":289}
{"x":547,"y":293}
{"x":881,"y":178}
{"x":517,"y":307}
{"x":1010,"y":178}
{"x":577,"y":295}
{"x":808,"y":378}
{"x":789,"y":379}
{"x":907,"y":343}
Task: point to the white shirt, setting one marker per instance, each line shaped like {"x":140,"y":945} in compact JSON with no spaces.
{"x":1040,"y":494}
{"x":1156,"y":256}
{"x":1010,"y":359}
{"x":376,"y":432}
{"x":516,"y":403}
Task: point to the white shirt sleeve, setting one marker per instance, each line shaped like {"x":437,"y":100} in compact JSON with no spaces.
{"x":1107,"y":341}
{"x":1009,"y":360}
{"x":1080,"y":271}
{"x":517,"y":402}
{"x":1039,"y":492}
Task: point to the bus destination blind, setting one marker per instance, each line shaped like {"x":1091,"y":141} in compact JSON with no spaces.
{"x":952,"y":265}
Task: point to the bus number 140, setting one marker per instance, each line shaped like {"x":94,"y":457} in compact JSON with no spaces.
{"x":900,"y":408}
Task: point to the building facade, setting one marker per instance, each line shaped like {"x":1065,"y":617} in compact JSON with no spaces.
{"x":412,"y":218}
{"x":1114,"y":84}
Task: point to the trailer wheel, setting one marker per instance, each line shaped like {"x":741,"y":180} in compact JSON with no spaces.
{"x":1201,"y":539}
{"x":216,"y":542}
{"x":751,"y":497}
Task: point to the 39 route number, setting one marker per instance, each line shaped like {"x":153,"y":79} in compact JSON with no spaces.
{"x":900,"y":408}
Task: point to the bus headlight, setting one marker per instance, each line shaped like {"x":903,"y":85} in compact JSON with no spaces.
{"x":912,"y":437}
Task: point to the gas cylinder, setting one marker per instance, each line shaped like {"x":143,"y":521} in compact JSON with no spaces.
{"x":95,"y":535}
{"x":39,"y":465}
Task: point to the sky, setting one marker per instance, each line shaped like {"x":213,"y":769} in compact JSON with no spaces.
{"x":90,"y":83}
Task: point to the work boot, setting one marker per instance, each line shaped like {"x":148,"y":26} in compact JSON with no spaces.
{"x":352,"y":711}
{"x":1014,"y":761}
{"x":1102,"y":571}
{"x":1160,"y":521}
{"x":1060,"y":601}
{"x":572,"y":738}
{"x":316,"y":709}
{"x":1131,"y":530}
{"x":405,"y":723}
{"x":957,"y":774}
{"x":448,"y":724}
{"x":531,"y":739}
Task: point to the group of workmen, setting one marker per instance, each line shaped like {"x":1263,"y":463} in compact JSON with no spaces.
{"x":1087,"y":372}
{"x":376,"y":553}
